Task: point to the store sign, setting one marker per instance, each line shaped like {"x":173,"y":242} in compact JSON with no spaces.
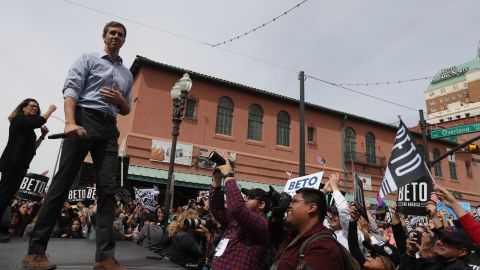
{"x":161,"y":151}
{"x":366,"y":180}
{"x":448,"y":73}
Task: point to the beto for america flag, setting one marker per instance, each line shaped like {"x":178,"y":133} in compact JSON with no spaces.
{"x":406,"y":163}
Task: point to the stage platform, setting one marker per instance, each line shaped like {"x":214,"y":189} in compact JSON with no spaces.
{"x":75,"y":254}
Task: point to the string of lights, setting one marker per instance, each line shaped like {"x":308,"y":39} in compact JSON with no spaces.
{"x":258,"y":27}
{"x":247,"y":56}
{"x":386,"y":83}
{"x":362,"y":93}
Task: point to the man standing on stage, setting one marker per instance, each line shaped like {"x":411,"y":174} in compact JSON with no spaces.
{"x":97,"y":87}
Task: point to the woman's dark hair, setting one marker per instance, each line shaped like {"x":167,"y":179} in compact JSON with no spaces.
{"x":19,"y":109}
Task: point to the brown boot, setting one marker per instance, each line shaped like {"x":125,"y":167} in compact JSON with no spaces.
{"x":38,"y":262}
{"x":26,"y":259}
{"x":108,"y":264}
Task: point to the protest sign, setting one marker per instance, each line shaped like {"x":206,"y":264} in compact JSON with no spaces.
{"x":413,"y":197}
{"x":311,"y":181}
{"x":124,"y":195}
{"x":147,"y":198}
{"x":441,"y":206}
{"x":82,"y":194}
{"x":358,"y":197}
{"x":32,"y":187}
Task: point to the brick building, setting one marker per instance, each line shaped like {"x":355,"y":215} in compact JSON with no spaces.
{"x":260,"y":131}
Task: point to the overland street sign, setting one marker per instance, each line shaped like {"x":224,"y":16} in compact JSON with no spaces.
{"x":453,"y":131}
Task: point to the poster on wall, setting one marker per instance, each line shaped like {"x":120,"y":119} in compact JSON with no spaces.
{"x":205,"y":163}
{"x":161,"y":151}
{"x":366,"y":180}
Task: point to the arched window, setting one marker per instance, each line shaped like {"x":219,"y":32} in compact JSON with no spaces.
{"x":370,"y":147}
{"x":283,"y":129}
{"x":255,"y":123}
{"x":224,"y":116}
{"x":437,"y":166}
{"x":350,"y":145}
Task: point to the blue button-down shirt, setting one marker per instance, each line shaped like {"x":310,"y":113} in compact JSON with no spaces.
{"x":90,"y":73}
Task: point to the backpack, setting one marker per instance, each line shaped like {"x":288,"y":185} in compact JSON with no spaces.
{"x":349,"y":262}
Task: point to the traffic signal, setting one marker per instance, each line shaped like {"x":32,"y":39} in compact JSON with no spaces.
{"x":473,"y":148}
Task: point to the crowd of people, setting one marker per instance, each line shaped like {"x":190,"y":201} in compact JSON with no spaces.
{"x":232,"y":228}
{"x":227,"y":227}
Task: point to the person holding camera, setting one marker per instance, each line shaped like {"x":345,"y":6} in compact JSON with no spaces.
{"x":151,"y":235}
{"x":244,"y":242}
{"x":188,"y":240}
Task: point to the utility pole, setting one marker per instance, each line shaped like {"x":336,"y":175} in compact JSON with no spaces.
{"x":301,"y":77}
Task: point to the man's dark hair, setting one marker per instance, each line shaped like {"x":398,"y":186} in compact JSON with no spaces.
{"x":311,"y":195}
{"x":114,"y":24}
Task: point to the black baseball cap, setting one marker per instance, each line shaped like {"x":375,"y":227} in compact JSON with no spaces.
{"x":383,"y":249}
{"x":455,"y":235}
{"x":256,"y":193}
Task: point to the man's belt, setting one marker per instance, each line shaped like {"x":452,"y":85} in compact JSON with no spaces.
{"x":98,"y":114}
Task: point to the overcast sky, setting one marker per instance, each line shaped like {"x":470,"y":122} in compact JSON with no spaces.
{"x":342,"y":41}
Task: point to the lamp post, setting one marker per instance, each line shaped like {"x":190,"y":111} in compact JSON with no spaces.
{"x":179,"y":95}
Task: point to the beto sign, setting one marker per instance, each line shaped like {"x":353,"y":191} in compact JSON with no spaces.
{"x":310,"y":181}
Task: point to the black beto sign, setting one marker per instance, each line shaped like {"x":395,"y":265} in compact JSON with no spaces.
{"x":412,"y":198}
{"x":81,"y":194}
{"x":32,"y":187}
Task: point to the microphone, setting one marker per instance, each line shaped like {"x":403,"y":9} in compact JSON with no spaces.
{"x":57,"y":136}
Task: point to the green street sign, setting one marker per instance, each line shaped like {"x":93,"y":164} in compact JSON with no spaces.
{"x":454,"y":131}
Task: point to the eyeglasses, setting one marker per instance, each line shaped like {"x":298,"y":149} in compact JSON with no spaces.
{"x":296,"y":200}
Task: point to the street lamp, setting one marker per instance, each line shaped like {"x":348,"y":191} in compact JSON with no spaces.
{"x":179,"y":95}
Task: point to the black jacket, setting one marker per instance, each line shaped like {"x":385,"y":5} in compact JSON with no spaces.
{"x":434,"y":263}
{"x":20,"y":147}
{"x":185,"y":248}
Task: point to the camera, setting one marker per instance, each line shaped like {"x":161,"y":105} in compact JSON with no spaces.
{"x":280,"y":202}
{"x":216,"y":158}
{"x":418,"y":235}
{"x":194,"y":223}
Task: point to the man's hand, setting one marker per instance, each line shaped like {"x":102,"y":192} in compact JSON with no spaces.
{"x":447,"y":196}
{"x":44,"y":130}
{"x":75,"y":131}
{"x":412,"y":246}
{"x":203,"y":231}
{"x":334,"y":178}
{"x":354,"y":213}
{"x":327,"y":188}
{"x":112,"y":95}
{"x":225,"y":169}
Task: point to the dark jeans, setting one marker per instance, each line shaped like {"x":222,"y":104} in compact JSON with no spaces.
{"x":9,"y":185}
{"x":101,"y":141}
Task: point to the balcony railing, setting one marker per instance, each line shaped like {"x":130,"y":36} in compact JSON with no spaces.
{"x":366,"y":159}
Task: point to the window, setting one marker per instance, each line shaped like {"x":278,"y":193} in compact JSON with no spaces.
{"x":432,"y":94}
{"x":459,"y":93}
{"x":350,"y":145}
{"x":311,"y":134}
{"x":453,"y":170}
{"x":441,"y":99}
{"x":433,"y":102}
{"x":442,"y":91}
{"x":190,"y":108}
{"x":446,"y":98}
{"x":255,"y":123}
{"x":437,"y":166}
{"x":433,"y":109}
{"x":370,"y":147}
{"x":224,"y":116}
{"x":283,"y":129}
{"x":468,"y":167}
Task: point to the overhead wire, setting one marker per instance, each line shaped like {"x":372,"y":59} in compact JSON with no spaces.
{"x":247,"y":56}
{"x":258,"y":27}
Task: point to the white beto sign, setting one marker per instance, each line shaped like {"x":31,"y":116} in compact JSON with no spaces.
{"x":310,"y":181}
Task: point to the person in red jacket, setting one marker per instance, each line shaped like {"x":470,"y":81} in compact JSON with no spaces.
{"x":305,"y":215}
{"x":468,"y":223}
